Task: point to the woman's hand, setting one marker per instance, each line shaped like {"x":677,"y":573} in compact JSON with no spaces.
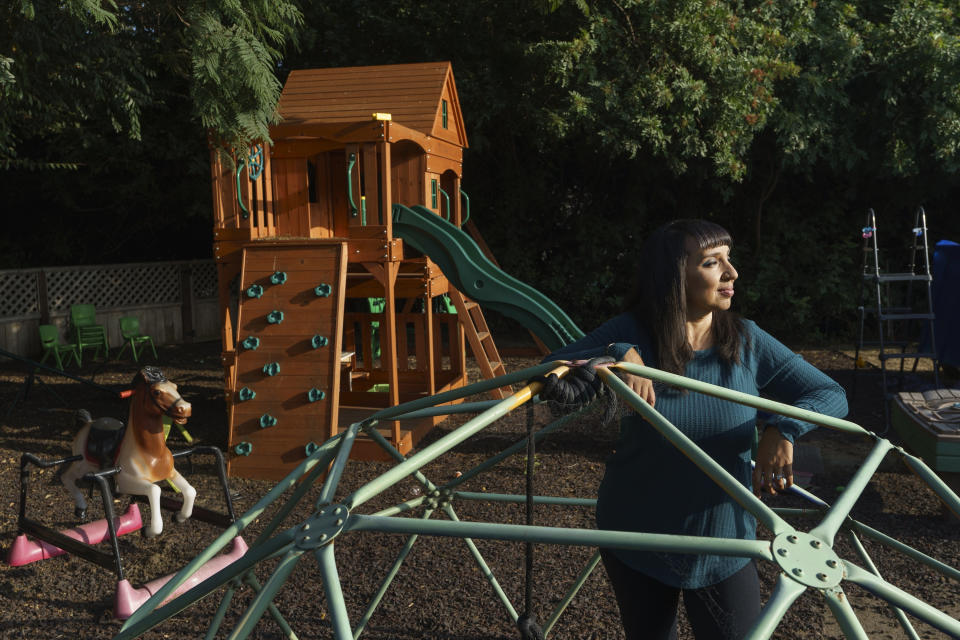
{"x":643,"y":387}
{"x":774,"y":470}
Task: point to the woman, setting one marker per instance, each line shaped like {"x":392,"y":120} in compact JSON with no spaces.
{"x":679,"y":320}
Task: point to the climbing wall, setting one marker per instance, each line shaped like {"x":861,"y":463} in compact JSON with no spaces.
{"x":284,"y":395}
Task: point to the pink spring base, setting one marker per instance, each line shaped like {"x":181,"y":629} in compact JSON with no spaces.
{"x":24,"y":551}
{"x":127,"y":599}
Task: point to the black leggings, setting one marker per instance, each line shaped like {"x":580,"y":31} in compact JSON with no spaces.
{"x":648,"y":608}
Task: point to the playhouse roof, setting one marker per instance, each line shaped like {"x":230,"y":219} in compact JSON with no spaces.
{"x":413,"y":94}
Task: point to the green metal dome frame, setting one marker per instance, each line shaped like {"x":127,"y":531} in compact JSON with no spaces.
{"x":805,"y":559}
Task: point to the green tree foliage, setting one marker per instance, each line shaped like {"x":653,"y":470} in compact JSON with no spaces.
{"x":878,"y":89}
{"x":109,"y":109}
{"x":840,"y":82}
{"x":234,"y":48}
{"x":59,"y":73}
{"x":590,"y":122}
{"x":68,"y":69}
{"x":674,"y":79}
{"x":784,"y":121}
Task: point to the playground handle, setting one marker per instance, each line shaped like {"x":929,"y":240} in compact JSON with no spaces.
{"x":350,"y":165}
{"x":463,"y":194}
{"x":447,"y":198}
{"x":244,"y":213}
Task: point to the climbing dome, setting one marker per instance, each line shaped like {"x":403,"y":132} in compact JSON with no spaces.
{"x":804,"y":559}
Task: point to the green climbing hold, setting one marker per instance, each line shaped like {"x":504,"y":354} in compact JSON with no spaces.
{"x":254,"y":291}
{"x":279,"y":277}
{"x":271,"y":368}
{"x":243,"y":449}
{"x":318,"y":341}
{"x":275,"y":317}
{"x":267,"y":420}
{"x":247,"y":394}
{"x":315,"y":394}
{"x":251,"y":343}
{"x":311,"y":448}
{"x":323,"y":290}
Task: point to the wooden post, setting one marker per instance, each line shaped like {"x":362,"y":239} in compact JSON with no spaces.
{"x":388,"y":333}
{"x":371,"y":176}
{"x":333,"y":416}
{"x":225,"y":274}
{"x":429,"y":362}
{"x":246,"y":184}
{"x":269,"y":210}
{"x":456,"y":203}
{"x":386,"y":194}
{"x":458,"y":348}
{"x":225,"y":212}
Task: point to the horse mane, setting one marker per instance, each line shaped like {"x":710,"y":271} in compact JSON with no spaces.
{"x":147,"y":376}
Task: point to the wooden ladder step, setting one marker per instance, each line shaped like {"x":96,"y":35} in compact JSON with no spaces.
{"x":481,"y":341}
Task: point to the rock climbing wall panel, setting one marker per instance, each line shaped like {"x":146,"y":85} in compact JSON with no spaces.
{"x":283,"y":400}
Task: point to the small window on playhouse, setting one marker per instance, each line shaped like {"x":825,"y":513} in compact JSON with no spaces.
{"x":443,"y":113}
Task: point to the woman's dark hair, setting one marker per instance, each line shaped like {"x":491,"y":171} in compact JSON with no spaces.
{"x":659,"y":300}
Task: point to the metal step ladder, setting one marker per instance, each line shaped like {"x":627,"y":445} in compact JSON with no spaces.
{"x":902,"y":303}
{"x":481,"y":341}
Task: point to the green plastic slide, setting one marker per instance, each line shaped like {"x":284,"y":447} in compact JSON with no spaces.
{"x":464,"y":264}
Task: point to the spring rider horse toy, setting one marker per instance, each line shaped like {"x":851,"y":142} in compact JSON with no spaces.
{"x":136,"y":456}
{"x":139,"y":449}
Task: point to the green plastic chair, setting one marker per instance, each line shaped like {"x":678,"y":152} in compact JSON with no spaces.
{"x":86,"y":332}
{"x":130,"y":330}
{"x":375,"y":305}
{"x":50,"y":340}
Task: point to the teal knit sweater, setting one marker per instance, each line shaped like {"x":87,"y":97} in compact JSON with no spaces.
{"x":649,"y":486}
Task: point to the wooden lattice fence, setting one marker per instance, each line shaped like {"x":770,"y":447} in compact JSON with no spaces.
{"x":174,"y":301}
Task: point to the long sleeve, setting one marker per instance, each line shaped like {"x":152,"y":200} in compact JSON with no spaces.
{"x":619,"y":333}
{"x":787,"y":377}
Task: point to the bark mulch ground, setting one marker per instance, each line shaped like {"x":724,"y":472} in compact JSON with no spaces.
{"x":439,"y":592}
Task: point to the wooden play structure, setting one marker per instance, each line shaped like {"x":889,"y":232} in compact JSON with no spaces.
{"x":304,"y":241}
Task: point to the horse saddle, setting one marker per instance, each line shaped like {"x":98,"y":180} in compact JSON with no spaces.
{"x":103,"y":441}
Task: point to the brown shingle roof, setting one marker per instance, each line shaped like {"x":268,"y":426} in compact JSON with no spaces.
{"x":411,"y":93}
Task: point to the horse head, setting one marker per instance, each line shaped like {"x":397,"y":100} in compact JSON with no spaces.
{"x":142,"y":458}
{"x":158,"y":396}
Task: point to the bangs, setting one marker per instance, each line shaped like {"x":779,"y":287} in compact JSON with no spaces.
{"x":706,"y":234}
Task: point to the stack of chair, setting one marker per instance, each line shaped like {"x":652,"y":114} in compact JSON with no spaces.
{"x":87,"y":333}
